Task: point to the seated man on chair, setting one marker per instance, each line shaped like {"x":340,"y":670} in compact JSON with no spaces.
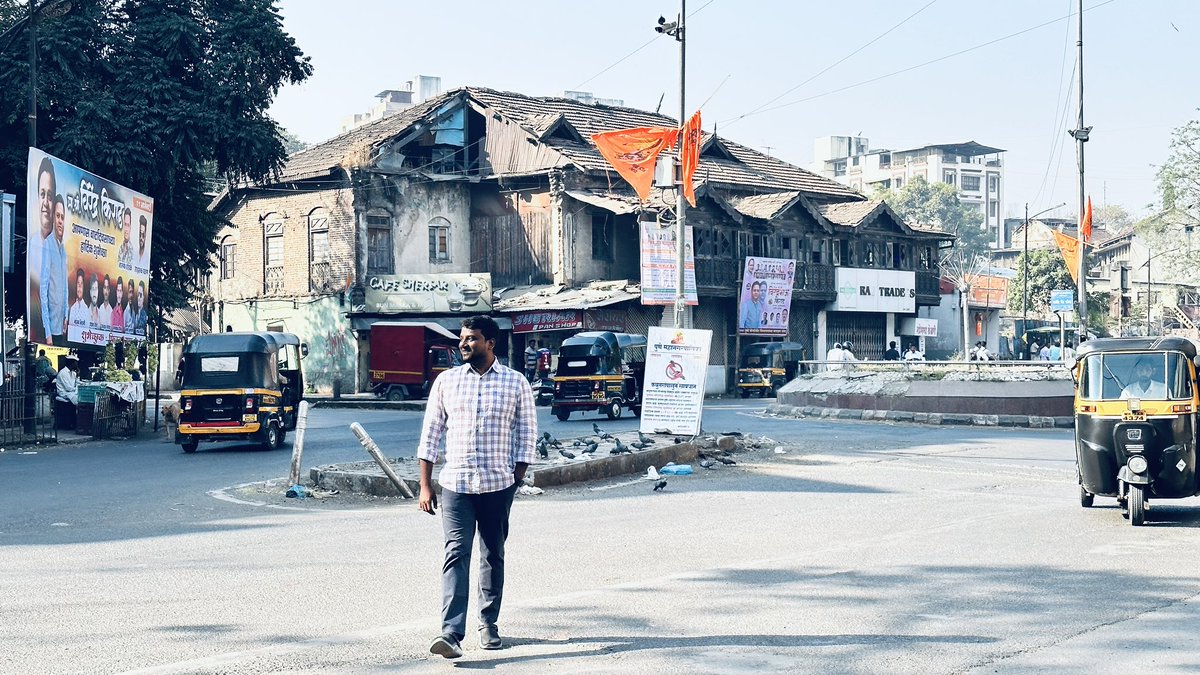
{"x":66,"y":383}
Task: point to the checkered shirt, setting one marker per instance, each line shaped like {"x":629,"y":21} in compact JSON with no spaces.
{"x":488,"y":422}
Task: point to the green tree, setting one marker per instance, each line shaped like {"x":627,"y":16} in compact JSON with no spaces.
{"x":1047,"y":272}
{"x":1179,"y":176}
{"x":920,"y":202}
{"x":149,"y":93}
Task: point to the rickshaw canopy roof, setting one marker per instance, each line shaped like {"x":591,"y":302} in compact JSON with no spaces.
{"x":266,"y":342}
{"x":613,"y":340}
{"x":1138,"y":344}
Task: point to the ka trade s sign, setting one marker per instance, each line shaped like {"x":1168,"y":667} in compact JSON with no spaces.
{"x":868,"y":290}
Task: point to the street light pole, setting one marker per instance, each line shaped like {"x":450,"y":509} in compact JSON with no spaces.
{"x":1025,"y":275}
{"x":1080,"y":134}
{"x":676,"y":30}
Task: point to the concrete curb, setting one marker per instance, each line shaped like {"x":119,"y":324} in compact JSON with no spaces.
{"x":942,"y":419}
{"x":367,"y":478}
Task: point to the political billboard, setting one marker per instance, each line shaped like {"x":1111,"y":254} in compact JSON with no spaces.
{"x":659,"y":262}
{"x":765,"y":297}
{"x":88,"y":256}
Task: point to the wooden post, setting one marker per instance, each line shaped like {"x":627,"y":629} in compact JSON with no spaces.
{"x":298,"y":444}
{"x":369,"y":443}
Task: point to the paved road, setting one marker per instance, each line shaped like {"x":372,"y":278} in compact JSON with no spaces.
{"x":865,"y":548}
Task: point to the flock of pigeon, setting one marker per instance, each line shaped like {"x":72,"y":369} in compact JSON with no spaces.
{"x":588,"y":447}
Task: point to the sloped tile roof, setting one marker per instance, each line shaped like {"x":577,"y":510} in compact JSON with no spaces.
{"x":764,"y":206}
{"x":537,"y":114}
{"x":850,"y":214}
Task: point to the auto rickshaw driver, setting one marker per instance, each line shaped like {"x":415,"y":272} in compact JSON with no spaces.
{"x":1145,"y":385}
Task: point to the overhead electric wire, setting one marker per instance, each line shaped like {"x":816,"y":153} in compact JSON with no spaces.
{"x":833,"y":65}
{"x":1056,"y":136}
{"x":644,"y":45}
{"x":915,"y":67}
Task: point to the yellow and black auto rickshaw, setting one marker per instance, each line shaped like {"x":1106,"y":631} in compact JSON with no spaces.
{"x":601,"y":371}
{"x":1135,"y":421}
{"x":767,"y":366}
{"x":243,"y":387}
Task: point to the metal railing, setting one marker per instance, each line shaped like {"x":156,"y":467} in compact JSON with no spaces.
{"x":26,"y":419}
{"x":976,"y":367}
{"x":273,"y":280}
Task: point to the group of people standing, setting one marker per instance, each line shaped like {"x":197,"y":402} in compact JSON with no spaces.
{"x":1051,"y":351}
{"x":102,"y":304}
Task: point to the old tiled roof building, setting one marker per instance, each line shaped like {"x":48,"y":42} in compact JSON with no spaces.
{"x":479,"y":181}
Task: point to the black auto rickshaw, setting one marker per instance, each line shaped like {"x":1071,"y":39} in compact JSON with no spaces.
{"x":1135,"y":421}
{"x":240,"y":387}
{"x":767,"y":366}
{"x":601,"y":371}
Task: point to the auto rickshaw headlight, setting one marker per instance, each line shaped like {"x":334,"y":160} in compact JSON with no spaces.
{"x":1138,"y":464}
{"x":1135,"y":404}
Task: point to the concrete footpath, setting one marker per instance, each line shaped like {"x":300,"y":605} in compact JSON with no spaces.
{"x":934,"y":418}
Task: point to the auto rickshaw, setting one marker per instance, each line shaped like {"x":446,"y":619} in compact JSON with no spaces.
{"x":767,"y":366}
{"x":1135,"y":421}
{"x":240,"y":387}
{"x":601,"y":371}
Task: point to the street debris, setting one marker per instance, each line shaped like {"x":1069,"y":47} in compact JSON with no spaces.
{"x":676,"y":470}
{"x":529,"y":490}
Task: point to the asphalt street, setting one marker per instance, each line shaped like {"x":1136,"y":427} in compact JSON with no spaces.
{"x":863,"y":548}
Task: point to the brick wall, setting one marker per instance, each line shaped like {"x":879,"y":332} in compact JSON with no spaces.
{"x":293,"y":210}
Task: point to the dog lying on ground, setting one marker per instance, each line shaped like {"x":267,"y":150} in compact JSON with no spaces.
{"x":171,"y":413}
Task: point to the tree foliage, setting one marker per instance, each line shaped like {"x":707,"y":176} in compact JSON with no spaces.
{"x":149,"y":93}
{"x":1047,"y":271}
{"x":1179,"y":176}
{"x":920,"y":202}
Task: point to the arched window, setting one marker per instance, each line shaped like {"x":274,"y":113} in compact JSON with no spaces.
{"x":228,"y":257}
{"x":380,"y":255}
{"x":439,"y":240}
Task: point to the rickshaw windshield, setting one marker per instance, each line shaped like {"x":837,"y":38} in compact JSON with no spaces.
{"x":1157,"y":376}
{"x":756,"y":361}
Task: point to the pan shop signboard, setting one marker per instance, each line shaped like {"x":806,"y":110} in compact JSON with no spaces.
{"x":869,"y":290}
{"x":568,"y":319}
{"x":429,"y":294}
{"x":676,"y":367}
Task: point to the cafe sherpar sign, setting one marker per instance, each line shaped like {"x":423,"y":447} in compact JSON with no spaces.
{"x":868,"y":290}
{"x":88,"y":256}
{"x":429,"y":294}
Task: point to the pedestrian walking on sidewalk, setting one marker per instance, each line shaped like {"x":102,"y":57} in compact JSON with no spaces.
{"x":484,"y":411}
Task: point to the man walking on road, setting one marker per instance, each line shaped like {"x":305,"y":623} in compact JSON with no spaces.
{"x":485,"y":412}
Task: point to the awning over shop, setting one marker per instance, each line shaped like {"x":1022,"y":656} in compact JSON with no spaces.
{"x":594,"y":294}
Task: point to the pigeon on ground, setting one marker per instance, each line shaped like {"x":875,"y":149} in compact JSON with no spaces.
{"x":567,"y":454}
{"x":550,"y":440}
{"x":679,"y":439}
{"x":644,"y":439}
{"x":725,"y":460}
{"x":604,"y":435}
{"x":589,"y":448}
{"x":639,"y":446}
{"x":542,"y":450}
{"x":660,"y":485}
{"x":620,"y":447}
{"x":707,"y":463}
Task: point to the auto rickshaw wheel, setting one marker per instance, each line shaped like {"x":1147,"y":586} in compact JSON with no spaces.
{"x":1137,"y":505}
{"x":1086,"y":498}
{"x":613,"y":410}
{"x":395,"y":394}
{"x":190,"y":446}
{"x":561,"y":413}
{"x":274,"y":437}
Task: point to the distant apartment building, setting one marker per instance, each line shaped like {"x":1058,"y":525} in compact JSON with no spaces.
{"x":392,"y":101}
{"x":587,"y":98}
{"x":976,"y":170}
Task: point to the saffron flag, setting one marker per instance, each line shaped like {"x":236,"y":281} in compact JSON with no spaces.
{"x":1085,"y":226}
{"x":1070,"y":253}
{"x":689,"y":155}
{"x":632,"y":153}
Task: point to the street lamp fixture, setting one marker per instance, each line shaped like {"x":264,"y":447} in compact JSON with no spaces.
{"x":675,"y":29}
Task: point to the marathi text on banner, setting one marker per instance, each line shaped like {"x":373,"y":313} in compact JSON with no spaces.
{"x":676,"y":370}
{"x":88,"y":256}
{"x":659,"y":265}
{"x":765,"y":297}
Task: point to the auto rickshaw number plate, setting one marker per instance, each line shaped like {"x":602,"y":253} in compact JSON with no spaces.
{"x":1131,"y":416}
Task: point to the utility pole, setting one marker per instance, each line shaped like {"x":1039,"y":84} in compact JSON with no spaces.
{"x":33,"y":54}
{"x":682,"y":312}
{"x":1080,"y":134}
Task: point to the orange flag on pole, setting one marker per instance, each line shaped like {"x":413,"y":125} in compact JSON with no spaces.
{"x":1085,"y":226}
{"x":632,"y":153}
{"x":1070,"y":253}
{"x":689,"y":155}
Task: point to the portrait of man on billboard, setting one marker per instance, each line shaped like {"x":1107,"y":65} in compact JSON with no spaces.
{"x":52,"y":211}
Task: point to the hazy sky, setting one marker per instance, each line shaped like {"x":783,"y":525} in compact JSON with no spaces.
{"x":1140,"y":73}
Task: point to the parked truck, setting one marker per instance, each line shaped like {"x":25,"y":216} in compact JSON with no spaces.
{"x":407,"y":356}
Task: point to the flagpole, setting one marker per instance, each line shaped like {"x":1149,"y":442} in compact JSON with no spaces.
{"x":1080,"y":135}
{"x":682,"y":318}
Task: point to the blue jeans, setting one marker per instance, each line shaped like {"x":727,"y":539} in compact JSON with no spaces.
{"x":462,"y":515}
